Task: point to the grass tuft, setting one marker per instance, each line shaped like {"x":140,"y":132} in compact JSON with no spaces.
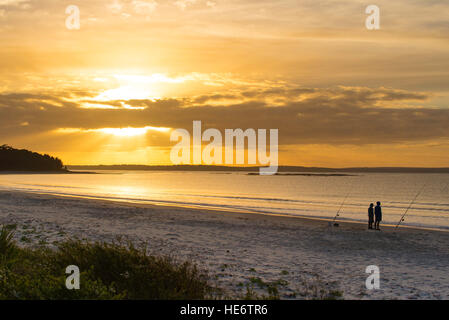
{"x":7,"y":244}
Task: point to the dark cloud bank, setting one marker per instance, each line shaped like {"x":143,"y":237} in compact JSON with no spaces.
{"x":303,"y":115}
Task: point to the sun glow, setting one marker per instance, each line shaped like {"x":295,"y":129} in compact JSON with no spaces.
{"x":137,"y":87}
{"x":130,"y":131}
{"x":118,"y":132}
{"x":127,"y":92}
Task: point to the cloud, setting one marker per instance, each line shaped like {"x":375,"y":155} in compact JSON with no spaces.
{"x":183,"y":4}
{"x":12,"y":2}
{"x":115,"y":7}
{"x":144,"y":7}
{"x":341,"y":115}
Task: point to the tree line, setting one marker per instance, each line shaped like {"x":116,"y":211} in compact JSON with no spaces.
{"x":24,"y":160}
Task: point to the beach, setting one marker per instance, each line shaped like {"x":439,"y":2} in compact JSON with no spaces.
{"x":243,"y":249}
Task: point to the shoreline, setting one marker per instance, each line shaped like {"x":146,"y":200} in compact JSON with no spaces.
{"x":220,"y":210}
{"x":48,"y":172}
{"x":245,"y":248}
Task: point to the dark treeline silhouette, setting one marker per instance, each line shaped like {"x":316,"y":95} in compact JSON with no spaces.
{"x":23,"y":160}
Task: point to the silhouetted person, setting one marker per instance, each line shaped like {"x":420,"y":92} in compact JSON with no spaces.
{"x":370,"y":216}
{"x":378,"y":214}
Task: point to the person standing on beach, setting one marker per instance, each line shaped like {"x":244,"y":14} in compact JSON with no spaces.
{"x":378,"y":214}
{"x":370,"y":216}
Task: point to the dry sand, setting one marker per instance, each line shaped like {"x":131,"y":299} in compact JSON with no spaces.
{"x":235,"y":247}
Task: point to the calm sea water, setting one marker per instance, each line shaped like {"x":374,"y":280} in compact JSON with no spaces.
{"x":311,"y":196}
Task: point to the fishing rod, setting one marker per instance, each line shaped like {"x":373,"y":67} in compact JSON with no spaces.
{"x":410,"y":205}
{"x":339,"y":209}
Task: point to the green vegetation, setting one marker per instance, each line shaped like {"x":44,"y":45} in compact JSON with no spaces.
{"x":23,"y":160}
{"x":314,"y":289}
{"x":121,"y":270}
{"x":272,"y":288}
{"x":108,"y":271}
{"x":7,"y":246}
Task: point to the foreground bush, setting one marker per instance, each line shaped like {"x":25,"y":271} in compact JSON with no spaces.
{"x":108,"y":271}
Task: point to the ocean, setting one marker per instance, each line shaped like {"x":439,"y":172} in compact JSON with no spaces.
{"x":306,"y":196}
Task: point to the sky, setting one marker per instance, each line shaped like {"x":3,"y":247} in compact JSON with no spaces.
{"x":341,"y":95}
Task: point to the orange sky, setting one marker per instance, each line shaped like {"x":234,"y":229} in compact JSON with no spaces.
{"x":340,"y":95}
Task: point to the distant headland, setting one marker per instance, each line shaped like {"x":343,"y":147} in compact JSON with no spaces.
{"x":286,"y":169}
{"x":21,"y":160}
